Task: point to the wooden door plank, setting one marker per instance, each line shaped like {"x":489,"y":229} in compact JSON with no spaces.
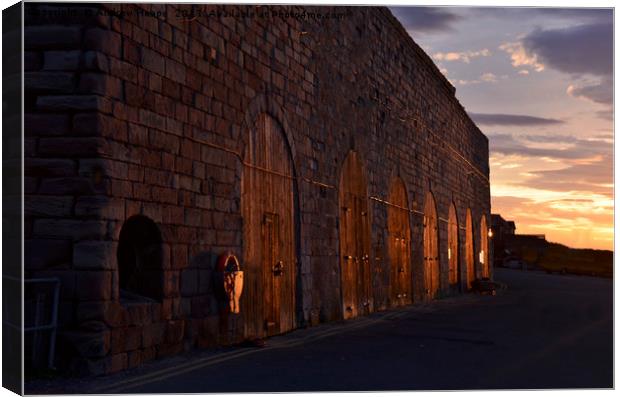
{"x":469,"y":248}
{"x":267,"y":189}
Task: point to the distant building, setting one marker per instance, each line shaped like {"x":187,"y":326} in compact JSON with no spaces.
{"x":501,"y":227}
{"x":509,"y":246}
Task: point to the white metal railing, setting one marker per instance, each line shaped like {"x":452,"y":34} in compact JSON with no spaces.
{"x":52,"y":326}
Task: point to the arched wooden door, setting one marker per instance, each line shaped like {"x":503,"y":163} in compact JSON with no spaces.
{"x":469,"y":249}
{"x":267,"y":189}
{"x":484,"y":247}
{"x":354,"y":239}
{"x":453,"y":246}
{"x":431,"y":248}
{"x":399,"y":244}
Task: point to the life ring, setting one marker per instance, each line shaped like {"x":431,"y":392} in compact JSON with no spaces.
{"x":232,"y":279}
{"x":223,"y":262}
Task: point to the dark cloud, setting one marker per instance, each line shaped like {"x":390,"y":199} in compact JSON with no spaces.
{"x":511,"y":119}
{"x":551,"y":138}
{"x":529,"y":210}
{"x":604,"y":136}
{"x":600,"y":15}
{"x":586,"y":176}
{"x":425,"y":19}
{"x":508,"y":144}
{"x":602,"y":92}
{"x":590,"y":177}
{"x":579,"y":15}
{"x":580,"y":49}
{"x":571,"y":200}
{"x":607,"y":114}
{"x":599,"y":172}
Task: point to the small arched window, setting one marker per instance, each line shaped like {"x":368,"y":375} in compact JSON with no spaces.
{"x":139,"y":258}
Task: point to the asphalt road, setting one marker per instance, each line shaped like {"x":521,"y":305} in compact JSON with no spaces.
{"x":543,"y":331}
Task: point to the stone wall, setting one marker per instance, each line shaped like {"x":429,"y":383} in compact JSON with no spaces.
{"x":145,"y":109}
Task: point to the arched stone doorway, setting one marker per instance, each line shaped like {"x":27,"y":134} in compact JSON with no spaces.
{"x":453,"y":247}
{"x":354,"y":239}
{"x":469,"y":249}
{"x":268,"y":211}
{"x":431,"y":248}
{"x":399,"y":244}
{"x":484,"y":247}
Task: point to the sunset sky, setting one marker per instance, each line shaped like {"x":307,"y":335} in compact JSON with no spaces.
{"x":538,"y":83}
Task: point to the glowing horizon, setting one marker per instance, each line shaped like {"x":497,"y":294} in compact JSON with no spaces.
{"x":548,"y":114}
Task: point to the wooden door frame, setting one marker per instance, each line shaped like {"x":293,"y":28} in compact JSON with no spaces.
{"x":485,"y":270}
{"x":402,"y":211}
{"x":454,"y":224}
{"x":434,"y":238}
{"x":297,"y":313}
{"x":358,"y":239}
{"x":470,"y":250}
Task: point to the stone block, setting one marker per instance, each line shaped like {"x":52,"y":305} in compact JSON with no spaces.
{"x":46,"y":124}
{"x":52,"y":36}
{"x":74,"y":147}
{"x":102,"y":84}
{"x":103,"y":40}
{"x":97,"y":61}
{"x":89,"y":344}
{"x":66,"y":186}
{"x":52,"y":206}
{"x":153,"y":61}
{"x":175,"y":71}
{"x":60,"y":103}
{"x":123,"y":70}
{"x":95,"y":255}
{"x":61,"y":60}
{"x":141,"y":191}
{"x":152,"y":120}
{"x":110,"y":168}
{"x":100,"y":207}
{"x":42,"y":253}
{"x":171,"y":284}
{"x":162,"y":140}
{"x":120,"y":188}
{"x":94,"y":285}
{"x":111,"y":313}
{"x":49,"y":167}
{"x":166,"y":309}
{"x":118,"y":362}
{"x":189,"y":282}
{"x":186,"y":307}
{"x":166,"y":195}
{"x":49,"y":81}
{"x":131,"y":51}
{"x":133,"y":338}
{"x":179,"y":256}
{"x":125,"y":339}
{"x":70,"y":229}
{"x":153,"y":335}
{"x":138,"y":313}
{"x":200,"y":306}
{"x":174,"y":331}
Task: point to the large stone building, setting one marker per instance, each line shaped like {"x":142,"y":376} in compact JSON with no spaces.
{"x":320,"y":145}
